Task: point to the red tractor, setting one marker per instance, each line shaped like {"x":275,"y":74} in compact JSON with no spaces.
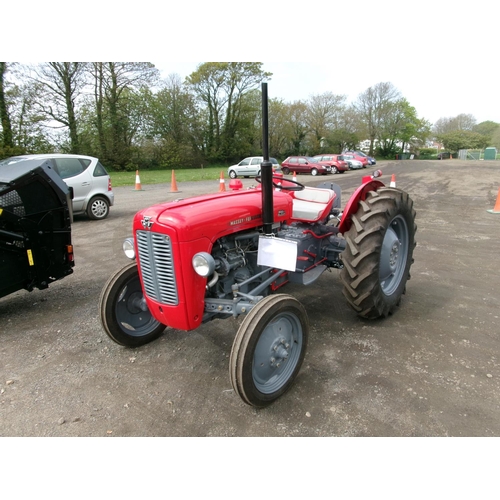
{"x":226,"y":254}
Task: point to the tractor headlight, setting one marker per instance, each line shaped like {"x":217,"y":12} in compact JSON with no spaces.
{"x":203,"y":264}
{"x":128,"y":248}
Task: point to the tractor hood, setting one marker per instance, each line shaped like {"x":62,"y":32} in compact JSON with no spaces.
{"x":212,"y":216}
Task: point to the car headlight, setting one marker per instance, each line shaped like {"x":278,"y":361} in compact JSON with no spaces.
{"x":128,"y":248}
{"x":203,"y":264}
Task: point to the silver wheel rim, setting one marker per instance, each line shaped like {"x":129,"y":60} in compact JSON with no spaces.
{"x":393,"y":255}
{"x":277,"y":353}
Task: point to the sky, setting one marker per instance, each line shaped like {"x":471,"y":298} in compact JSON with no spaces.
{"x":443,"y":57}
{"x":433,"y":94}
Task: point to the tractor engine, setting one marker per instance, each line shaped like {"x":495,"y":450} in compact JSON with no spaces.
{"x":235,"y":262}
{"x":316,"y":244}
{"x":236,"y":256}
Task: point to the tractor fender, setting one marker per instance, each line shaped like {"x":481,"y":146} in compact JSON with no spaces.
{"x":352,"y":205}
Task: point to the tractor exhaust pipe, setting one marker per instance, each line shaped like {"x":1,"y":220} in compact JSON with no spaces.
{"x":266,"y":169}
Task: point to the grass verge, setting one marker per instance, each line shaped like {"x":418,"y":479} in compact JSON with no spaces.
{"x":165,"y":176}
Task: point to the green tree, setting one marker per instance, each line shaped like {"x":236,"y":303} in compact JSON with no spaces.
{"x":220,"y":87}
{"x":401,"y":128}
{"x":487,"y":128}
{"x":298,"y":128}
{"x":174,"y":125}
{"x":7,"y":139}
{"x":60,"y":86}
{"x":323,"y":115}
{"x":459,"y":122}
{"x":280,"y":130}
{"x":345,"y":134}
{"x":118,"y":89}
{"x":462,"y":139}
{"x":375,"y":107}
{"x":495,"y":138}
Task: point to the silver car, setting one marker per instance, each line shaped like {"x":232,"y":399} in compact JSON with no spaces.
{"x":89,"y":180}
{"x":353,"y":164}
{"x":250,"y":167}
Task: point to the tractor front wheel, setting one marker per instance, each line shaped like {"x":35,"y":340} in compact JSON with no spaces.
{"x":123,"y":311}
{"x":379,"y":252}
{"x":268,"y":349}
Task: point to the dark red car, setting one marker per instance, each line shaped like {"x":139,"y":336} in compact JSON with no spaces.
{"x":304,"y":165}
{"x":335,"y":162}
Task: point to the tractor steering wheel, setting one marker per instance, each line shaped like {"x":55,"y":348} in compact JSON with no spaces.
{"x":298,"y":186}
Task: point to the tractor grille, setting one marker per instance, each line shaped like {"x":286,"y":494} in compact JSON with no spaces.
{"x":157,"y":267}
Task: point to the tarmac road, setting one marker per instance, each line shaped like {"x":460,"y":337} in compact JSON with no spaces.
{"x":432,"y":369}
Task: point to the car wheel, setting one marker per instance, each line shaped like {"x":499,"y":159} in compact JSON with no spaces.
{"x":98,"y":208}
{"x":233,"y":174}
{"x":335,"y":170}
{"x":314,"y":171}
{"x":286,"y":170}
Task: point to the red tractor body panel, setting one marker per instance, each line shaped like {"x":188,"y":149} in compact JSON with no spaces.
{"x":178,"y":230}
{"x":352,"y":204}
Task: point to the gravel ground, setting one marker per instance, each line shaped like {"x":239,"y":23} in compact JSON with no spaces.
{"x":431,"y":369}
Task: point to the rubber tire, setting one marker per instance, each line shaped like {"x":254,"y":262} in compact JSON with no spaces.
{"x":335,"y":170}
{"x":314,"y":171}
{"x":98,"y":208}
{"x":233,"y":174}
{"x":285,"y":170}
{"x":363,"y":286}
{"x":112,"y":303}
{"x":282,"y":311}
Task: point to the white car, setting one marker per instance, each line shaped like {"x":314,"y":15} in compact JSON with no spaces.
{"x":353,"y":164}
{"x":250,"y":167}
{"x":89,"y":180}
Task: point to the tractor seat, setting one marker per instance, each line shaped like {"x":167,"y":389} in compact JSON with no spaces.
{"x":312,"y":204}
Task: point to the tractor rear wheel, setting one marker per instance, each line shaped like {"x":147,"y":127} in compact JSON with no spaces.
{"x":123,"y":311}
{"x":268,"y":349}
{"x":379,"y":252}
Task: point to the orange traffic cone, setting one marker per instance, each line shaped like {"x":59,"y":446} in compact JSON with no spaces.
{"x":137,"y":181}
{"x":294,"y":178}
{"x":173,"y":186}
{"x":222,"y":185}
{"x":496,"y":208}
{"x":393,"y":181}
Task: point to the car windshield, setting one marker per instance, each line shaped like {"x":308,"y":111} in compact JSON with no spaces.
{"x":310,"y":159}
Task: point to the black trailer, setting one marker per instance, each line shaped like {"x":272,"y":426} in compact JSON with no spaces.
{"x":35,"y":227}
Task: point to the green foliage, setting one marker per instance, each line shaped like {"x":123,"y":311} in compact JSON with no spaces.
{"x":462,"y":139}
{"x":130,"y":120}
{"x":489,"y":129}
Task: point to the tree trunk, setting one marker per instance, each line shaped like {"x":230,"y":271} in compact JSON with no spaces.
{"x":7,"y":140}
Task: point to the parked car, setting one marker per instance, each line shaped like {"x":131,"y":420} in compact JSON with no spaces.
{"x":371,"y":160}
{"x":304,"y":165}
{"x":359,"y":156}
{"x":352,"y":162}
{"x":337,"y":164}
{"x":85,"y":175}
{"x":250,"y":167}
